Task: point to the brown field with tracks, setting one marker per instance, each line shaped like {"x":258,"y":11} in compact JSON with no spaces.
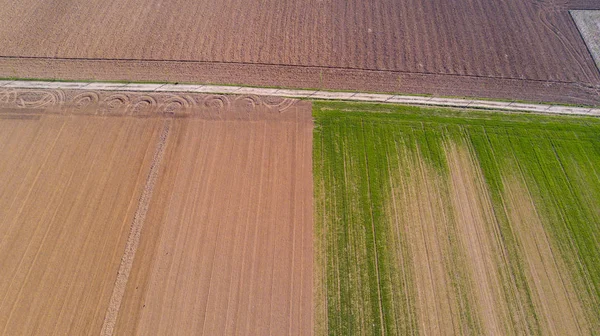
{"x":69,"y":189}
{"x":516,"y":49}
{"x":126,"y":213}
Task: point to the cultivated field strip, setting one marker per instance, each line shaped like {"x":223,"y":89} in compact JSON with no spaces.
{"x":229,"y":243}
{"x":70,"y":187}
{"x":511,"y":39}
{"x":141,"y":216}
{"x":442,"y":222}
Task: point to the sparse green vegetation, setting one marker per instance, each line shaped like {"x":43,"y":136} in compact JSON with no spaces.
{"x":398,"y":190}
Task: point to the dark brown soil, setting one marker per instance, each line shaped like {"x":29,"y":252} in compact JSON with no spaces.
{"x":521,"y":49}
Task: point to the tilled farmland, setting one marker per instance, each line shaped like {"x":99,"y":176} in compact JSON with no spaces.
{"x":129,"y":213}
{"x":514,"y":49}
{"x":159,"y":207}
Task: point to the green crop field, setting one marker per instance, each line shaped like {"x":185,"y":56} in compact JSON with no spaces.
{"x":439,"y":221}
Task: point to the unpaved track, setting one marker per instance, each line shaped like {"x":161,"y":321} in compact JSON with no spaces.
{"x":135,"y":233}
{"x":226,"y":244}
{"x":415,"y":43}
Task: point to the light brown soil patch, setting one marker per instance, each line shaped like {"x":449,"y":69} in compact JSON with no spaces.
{"x":229,"y":247}
{"x":226,"y":244}
{"x":588,"y":23}
{"x":69,"y":187}
{"x":555,"y":299}
{"x":477,"y":234}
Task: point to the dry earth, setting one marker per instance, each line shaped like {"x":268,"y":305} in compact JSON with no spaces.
{"x":523,"y":49}
{"x":144,"y":214}
{"x":479,"y":238}
{"x":68,"y":191}
{"x":228,"y":248}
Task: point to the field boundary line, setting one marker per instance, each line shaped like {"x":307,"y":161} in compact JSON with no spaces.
{"x":322,"y":67}
{"x":309,"y":94}
{"x":133,"y":240}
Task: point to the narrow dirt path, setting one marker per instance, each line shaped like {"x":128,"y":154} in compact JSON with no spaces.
{"x":134,"y":236}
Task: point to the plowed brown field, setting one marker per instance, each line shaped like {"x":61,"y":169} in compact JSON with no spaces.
{"x":68,"y":192}
{"x":409,"y":46}
{"x":154,"y":214}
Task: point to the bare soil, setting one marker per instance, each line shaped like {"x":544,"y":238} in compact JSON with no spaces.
{"x":321,"y":44}
{"x":228,"y":247}
{"x":69,"y":187}
{"x":130,"y":213}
